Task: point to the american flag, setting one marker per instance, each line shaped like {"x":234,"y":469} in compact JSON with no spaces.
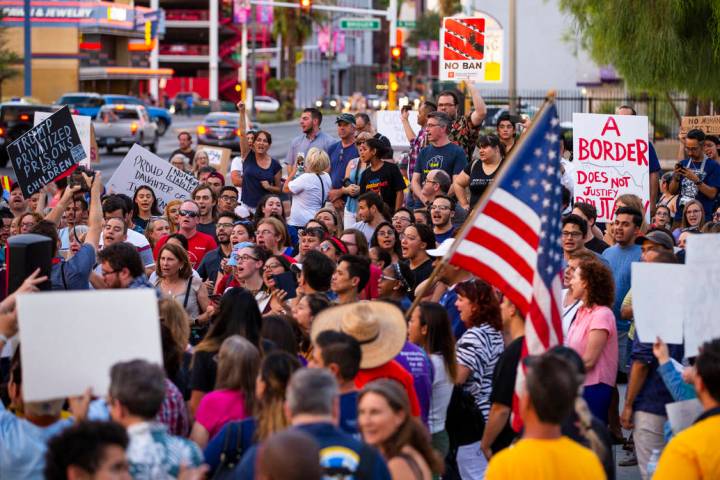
{"x":513,"y":238}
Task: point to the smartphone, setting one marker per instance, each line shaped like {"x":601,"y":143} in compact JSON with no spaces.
{"x":286,"y":281}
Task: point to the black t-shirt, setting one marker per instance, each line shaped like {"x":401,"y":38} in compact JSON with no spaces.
{"x":386,"y":182}
{"x":424,"y":271}
{"x":479,"y":180}
{"x":203,"y":371}
{"x":190,"y":155}
{"x":503,"y":387}
{"x":596,"y":245}
{"x":208,"y":228}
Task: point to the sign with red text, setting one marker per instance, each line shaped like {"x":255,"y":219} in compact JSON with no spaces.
{"x":471,"y":49}
{"x":611,"y":157}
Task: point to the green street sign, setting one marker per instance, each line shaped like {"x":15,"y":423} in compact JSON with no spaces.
{"x":372,"y":24}
{"x":406,"y":23}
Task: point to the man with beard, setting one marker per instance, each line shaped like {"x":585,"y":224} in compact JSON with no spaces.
{"x":206,"y":200}
{"x":199,"y":244}
{"x":17,"y":203}
{"x":369,"y":213}
{"x":121,"y":267}
{"x":114,"y":206}
{"x":442,"y":212}
{"x":465,"y":129}
{"x":210,"y":265}
{"x":311,"y":136}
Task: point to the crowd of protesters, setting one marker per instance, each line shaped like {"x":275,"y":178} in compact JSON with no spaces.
{"x":289,"y":347}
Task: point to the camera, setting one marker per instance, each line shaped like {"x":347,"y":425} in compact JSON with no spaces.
{"x":76,"y":178}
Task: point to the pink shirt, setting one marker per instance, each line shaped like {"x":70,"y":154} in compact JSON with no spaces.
{"x":218,"y":408}
{"x":596,"y":318}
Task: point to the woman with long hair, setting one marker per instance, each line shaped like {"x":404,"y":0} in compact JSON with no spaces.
{"x":172,"y":213}
{"x":667,"y":199}
{"x":663,"y":218}
{"x":156,"y":228}
{"x":234,"y":395}
{"x":145,"y":206}
{"x":304,"y":312}
{"x":242,"y":231}
{"x":381,"y":177}
{"x":480,"y":173}
{"x":386,"y":423}
{"x":270,"y":205}
{"x":262,"y":174}
{"x":415,"y":242}
{"x":478,"y":351}
{"x":351,"y":185}
{"x":387,"y":239}
{"x":430,"y":328}
{"x":693,"y":218}
{"x":329,"y":218}
{"x":200,"y":160}
{"x":176,"y":280}
{"x":237,"y":314}
{"x":593,"y":333}
{"x":174,"y":317}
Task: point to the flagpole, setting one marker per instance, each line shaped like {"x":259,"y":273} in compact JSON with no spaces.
{"x":482,"y":202}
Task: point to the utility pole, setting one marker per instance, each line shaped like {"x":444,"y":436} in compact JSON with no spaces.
{"x":214,"y":32}
{"x":154,"y":57}
{"x":392,"y":80}
{"x":27,"y":61}
{"x":512,"y":56}
{"x":253,"y":76}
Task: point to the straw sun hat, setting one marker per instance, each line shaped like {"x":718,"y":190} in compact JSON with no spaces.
{"x":378,"y":326}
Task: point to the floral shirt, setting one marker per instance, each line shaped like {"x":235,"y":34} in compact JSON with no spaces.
{"x":415,"y":146}
{"x":464,"y":134}
{"x":154,"y":454}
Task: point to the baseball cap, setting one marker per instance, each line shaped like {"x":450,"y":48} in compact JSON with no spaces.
{"x":232,"y":259}
{"x":345,"y":117}
{"x":442,"y":249}
{"x":658,"y":237}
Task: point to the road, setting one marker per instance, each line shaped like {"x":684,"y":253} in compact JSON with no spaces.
{"x":282,"y":135}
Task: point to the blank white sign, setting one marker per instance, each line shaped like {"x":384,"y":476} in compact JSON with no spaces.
{"x":658,"y":301}
{"x":69,"y":340}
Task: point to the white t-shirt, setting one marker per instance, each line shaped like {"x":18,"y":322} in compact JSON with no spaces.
{"x":442,"y":389}
{"x":141,"y":244}
{"x":365,"y":228}
{"x":308,"y":196}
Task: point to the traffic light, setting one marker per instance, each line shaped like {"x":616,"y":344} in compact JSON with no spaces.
{"x":305,"y":6}
{"x":396,"y":58}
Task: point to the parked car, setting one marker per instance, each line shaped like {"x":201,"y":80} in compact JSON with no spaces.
{"x":82,"y":103}
{"x":16,"y":118}
{"x":329,"y":102}
{"x":159,"y":115}
{"x":266,"y":104}
{"x":220,"y":129}
{"x":124,"y":125}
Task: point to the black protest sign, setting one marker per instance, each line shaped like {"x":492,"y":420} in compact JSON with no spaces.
{"x":48,"y":151}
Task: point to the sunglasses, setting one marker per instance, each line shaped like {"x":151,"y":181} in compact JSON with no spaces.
{"x":187,"y":213}
{"x":314,"y":231}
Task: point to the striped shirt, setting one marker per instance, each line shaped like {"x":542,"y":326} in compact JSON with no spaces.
{"x":479,"y":349}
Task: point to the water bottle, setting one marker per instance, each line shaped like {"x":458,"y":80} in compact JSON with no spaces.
{"x":300,"y":162}
{"x":652,"y":463}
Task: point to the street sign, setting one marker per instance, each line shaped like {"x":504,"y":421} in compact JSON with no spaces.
{"x":406,"y":23}
{"x":372,"y":24}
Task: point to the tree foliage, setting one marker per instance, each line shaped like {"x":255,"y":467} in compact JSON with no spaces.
{"x":449,"y":8}
{"x":426,"y":28}
{"x":658,"y":46}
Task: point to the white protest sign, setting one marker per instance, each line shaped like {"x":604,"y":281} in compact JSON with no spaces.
{"x":682,"y":414}
{"x":71,"y":339}
{"x":142,"y":167}
{"x":218,"y":157}
{"x":701,"y":302}
{"x":611,"y":157}
{"x":388,"y":123}
{"x":471,"y":49}
{"x":82,"y":123}
{"x":654,"y":317}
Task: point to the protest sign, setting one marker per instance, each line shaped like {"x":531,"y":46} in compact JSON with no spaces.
{"x":219,"y":157}
{"x":682,"y":415}
{"x":71,"y":339}
{"x":389,"y":124}
{"x":48,"y":151}
{"x":709,"y":124}
{"x":703,"y":279}
{"x":142,"y":167}
{"x":653,"y":318}
{"x":611,"y":157}
{"x":83,"y":125}
{"x":471,"y":49}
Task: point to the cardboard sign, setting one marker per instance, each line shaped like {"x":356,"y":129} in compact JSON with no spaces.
{"x":219,"y":157}
{"x":389,"y":124}
{"x":71,"y":339}
{"x":709,"y":124}
{"x":48,"y":151}
{"x":142,"y":167}
{"x":611,"y":157}
{"x":83,"y":125}
{"x":655,"y":318}
{"x":471,"y":49}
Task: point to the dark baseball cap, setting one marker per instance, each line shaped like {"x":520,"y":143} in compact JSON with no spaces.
{"x":346,"y":118}
{"x":659,"y":237}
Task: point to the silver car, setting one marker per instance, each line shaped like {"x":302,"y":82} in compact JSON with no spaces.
{"x":124,"y":125}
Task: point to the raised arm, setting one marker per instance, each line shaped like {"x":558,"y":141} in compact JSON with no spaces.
{"x":95,"y":217}
{"x":405,"y":119}
{"x":242,"y":126}
{"x":56,"y":213}
{"x":478,"y":115}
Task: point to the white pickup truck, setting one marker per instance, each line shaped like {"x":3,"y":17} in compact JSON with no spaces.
{"x":124,"y":125}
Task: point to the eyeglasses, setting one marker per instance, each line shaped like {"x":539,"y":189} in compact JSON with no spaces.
{"x":442,"y":208}
{"x":432,"y":125}
{"x":228,"y":198}
{"x":386,"y":233}
{"x":187,"y":213}
{"x":427,"y":180}
{"x":571,"y":234}
{"x":105,"y":274}
{"x":401,"y":219}
{"x":325,"y":247}
{"x":389,"y":279}
{"x":246,"y":258}
{"x":693,"y":149}
{"x":224,"y":225}
{"x":446,"y":104}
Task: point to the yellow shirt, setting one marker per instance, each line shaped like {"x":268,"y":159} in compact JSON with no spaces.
{"x":559,"y":459}
{"x":693,"y":453}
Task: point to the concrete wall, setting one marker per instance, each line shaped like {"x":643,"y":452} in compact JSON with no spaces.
{"x":51,"y":77}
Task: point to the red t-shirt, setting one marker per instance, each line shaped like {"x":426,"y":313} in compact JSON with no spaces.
{"x":394,"y":371}
{"x":372,"y":289}
{"x":198,"y":245}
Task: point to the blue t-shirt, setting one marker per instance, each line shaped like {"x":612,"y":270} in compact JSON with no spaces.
{"x":416,"y":362}
{"x":348,"y":414}
{"x":252,"y":191}
{"x":709,"y":172}
{"x":339,"y":158}
{"x":619,"y":259}
{"x":441,"y":237}
{"x":654,"y":163}
{"x":450,"y":158}
{"x":74,"y":274}
{"x":448,"y":302}
{"x":337,"y":450}
{"x":653,"y":395}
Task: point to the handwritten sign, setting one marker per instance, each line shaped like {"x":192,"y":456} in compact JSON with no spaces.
{"x":471,"y":49}
{"x":48,"y":151}
{"x":389,"y":124}
{"x":709,"y":124}
{"x":611,"y":159}
{"x":218,"y":157}
{"x":75,"y":350}
{"x":142,"y":167}
{"x":83,"y":125}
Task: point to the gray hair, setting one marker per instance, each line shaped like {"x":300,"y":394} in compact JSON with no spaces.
{"x":139,"y":386}
{"x":442,"y":118}
{"x":312,"y":391}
